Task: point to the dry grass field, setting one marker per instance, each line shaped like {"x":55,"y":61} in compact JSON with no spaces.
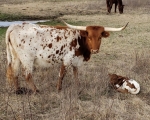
{"x":125,"y":53}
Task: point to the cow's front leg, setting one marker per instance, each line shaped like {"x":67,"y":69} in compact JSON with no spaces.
{"x":75,"y":72}
{"x":110,"y":7}
{"x":115,"y":7}
{"x":61,"y":76}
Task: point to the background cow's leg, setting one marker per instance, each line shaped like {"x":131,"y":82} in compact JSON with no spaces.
{"x":111,"y":4}
{"x":115,"y":7}
{"x":108,"y":6}
{"x":75,"y":72}
{"x":61,"y":76}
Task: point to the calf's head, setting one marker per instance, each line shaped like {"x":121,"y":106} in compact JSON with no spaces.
{"x":117,"y":79}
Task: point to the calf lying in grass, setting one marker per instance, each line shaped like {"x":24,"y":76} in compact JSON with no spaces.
{"x":124,"y":84}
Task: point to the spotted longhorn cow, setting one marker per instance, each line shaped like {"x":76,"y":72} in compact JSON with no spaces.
{"x":44,"y":46}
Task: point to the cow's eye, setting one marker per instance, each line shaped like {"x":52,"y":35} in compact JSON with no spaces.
{"x":89,"y":39}
{"x":99,"y":38}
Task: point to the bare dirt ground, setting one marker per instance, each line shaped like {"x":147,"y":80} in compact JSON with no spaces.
{"x":125,"y":53}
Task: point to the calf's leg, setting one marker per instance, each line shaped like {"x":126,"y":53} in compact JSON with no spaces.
{"x":121,"y":90}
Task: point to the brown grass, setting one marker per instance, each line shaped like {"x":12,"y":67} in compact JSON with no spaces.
{"x":125,"y":53}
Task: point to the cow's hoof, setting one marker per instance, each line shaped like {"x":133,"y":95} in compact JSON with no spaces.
{"x":36,"y":92}
{"x":24,"y":91}
{"x":59,"y":89}
{"x":21,"y":90}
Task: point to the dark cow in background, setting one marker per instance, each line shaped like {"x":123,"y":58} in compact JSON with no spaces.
{"x":44,"y":46}
{"x":117,"y":3}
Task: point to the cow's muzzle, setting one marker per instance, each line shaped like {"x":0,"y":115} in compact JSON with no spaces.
{"x":94,"y":51}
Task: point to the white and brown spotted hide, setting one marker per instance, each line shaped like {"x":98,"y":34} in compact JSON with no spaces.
{"x":124,"y":84}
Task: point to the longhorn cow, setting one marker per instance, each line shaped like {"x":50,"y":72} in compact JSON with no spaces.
{"x":44,"y":46}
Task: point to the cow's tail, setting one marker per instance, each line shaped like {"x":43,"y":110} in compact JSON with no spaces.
{"x":8,"y":45}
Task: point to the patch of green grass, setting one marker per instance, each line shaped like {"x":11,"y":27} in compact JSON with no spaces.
{"x":53,"y":23}
{"x":80,"y":23}
{"x":9,"y":17}
{"x":17,"y":17}
{"x":59,"y":22}
{"x":85,"y":97}
{"x":2,"y":31}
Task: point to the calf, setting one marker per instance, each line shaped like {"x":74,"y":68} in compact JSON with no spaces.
{"x":124,"y":84}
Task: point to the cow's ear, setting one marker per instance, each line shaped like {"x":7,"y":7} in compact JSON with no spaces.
{"x":84,"y":33}
{"x":105,"y":34}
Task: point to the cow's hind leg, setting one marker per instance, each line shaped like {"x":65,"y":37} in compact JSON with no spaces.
{"x":28,"y":68}
{"x":13,"y":73}
{"x":30,"y":82}
{"x":61,"y":76}
{"x":108,"y":6}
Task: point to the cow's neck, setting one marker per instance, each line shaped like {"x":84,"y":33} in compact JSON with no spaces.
{"x":83,"y":49}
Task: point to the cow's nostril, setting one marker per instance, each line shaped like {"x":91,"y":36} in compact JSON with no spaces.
{"x":94,"y":51}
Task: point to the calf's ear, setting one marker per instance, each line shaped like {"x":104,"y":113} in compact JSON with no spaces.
{"x":121,"y":78}
{"x":105,"y":34}
{"x":109,"y":74}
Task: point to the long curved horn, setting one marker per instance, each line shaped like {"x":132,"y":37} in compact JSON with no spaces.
{"x":115,"y":29}
{"x":75,"y":27}
{"x":84,"y":27}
